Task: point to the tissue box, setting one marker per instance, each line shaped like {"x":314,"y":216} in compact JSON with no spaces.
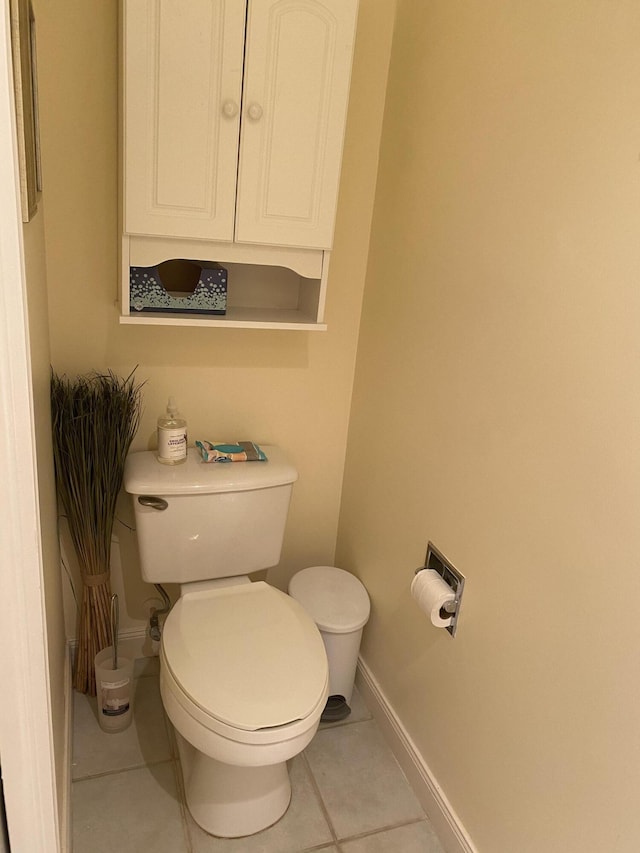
{"x":179,"y":286}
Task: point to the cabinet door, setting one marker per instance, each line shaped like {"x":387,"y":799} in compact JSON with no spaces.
{"x":296,"y":85}
{"x":182,"y":93}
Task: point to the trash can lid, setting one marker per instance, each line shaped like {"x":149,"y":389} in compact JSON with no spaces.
{"x":335,"y":599}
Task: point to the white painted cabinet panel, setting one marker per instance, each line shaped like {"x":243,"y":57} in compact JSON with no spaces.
{"x":185,"y":102}
{"x":233,"y":115}
{"x":296,"y":88}
{"x":181,"y":104}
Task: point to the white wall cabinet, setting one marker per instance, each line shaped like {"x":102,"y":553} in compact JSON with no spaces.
{"x":233,"y":115}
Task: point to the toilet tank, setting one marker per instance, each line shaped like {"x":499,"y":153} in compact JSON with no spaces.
{"x":220,"y":519}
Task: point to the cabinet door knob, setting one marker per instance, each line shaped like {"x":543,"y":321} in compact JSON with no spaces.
{"x":230,"y":109}
{"x":255,"y":112}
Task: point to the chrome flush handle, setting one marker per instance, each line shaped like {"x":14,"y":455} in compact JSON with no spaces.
{"x":153,"y":502}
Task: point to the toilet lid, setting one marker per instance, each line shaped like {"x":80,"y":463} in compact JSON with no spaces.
{"x":248,"y":655}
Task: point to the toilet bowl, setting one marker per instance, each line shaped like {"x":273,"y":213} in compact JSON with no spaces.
{"x":260,"y":704}
{"x":243,"y":670}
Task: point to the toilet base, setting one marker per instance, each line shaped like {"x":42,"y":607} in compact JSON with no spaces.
{"x":230,"y":801}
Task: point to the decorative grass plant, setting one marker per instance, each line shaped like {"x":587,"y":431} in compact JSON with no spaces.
{"x":94,"y":418}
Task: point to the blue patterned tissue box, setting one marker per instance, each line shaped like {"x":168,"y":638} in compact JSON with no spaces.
{"x":179,"y":287}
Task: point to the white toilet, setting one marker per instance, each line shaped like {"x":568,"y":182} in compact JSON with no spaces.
{"x":243,"y":670}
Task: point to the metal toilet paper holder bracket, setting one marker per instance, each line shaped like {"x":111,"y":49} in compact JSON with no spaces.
{"x":451,"y":576}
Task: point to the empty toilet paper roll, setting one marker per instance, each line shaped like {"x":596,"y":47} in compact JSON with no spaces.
{"x":432,"y":593}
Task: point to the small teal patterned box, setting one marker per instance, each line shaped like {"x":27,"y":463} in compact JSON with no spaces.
{"x":179,"y":286}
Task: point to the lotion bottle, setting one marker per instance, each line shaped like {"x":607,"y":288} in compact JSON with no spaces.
{"x":172,"y":436}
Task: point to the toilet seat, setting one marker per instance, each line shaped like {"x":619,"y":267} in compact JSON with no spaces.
{"x":245,"y":660}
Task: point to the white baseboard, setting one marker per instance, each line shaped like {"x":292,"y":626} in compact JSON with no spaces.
{"x":65,"y":810}
{"x":133,"y":643}
{"x":136,"y":643}
{"x":445,"y":821}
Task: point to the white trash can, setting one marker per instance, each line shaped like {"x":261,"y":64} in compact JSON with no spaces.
{"x":339,"y":605}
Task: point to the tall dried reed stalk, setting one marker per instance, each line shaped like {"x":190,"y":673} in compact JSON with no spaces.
{"x":94,"y":418}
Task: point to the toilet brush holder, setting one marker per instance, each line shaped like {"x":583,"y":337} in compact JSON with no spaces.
{"x":114,"y":691}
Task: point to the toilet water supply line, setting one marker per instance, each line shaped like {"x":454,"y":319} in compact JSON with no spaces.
{"x":155,"y":631}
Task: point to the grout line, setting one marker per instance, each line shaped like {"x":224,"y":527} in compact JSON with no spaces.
{"x":124,"y":769}
{"x":378,"y":831}
{"x":323,"y":807}
{"x":368,"y":833}
{"x":326,"y":727}
{"x":182,"y":802}
{"x":180,"y":786}
{"x":171,"y":734}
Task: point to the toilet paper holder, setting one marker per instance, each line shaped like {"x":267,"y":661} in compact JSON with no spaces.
{"x":451,"y":576}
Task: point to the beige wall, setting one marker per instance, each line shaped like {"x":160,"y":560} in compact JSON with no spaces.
{"x":289,"y":388}
{"x":496,"y":411}
{"x":33,"y":235}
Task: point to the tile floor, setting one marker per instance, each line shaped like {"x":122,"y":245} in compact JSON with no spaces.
{"x":349,"y":795}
